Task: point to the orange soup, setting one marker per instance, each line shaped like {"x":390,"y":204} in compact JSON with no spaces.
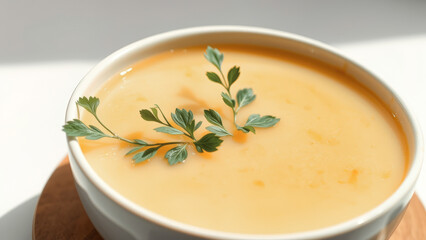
{"x":336,"y":153}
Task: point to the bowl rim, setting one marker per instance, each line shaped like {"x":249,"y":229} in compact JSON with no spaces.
{"x":405,"y":188}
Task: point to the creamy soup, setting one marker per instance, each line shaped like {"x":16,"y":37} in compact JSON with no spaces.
{"x":336,"y":153}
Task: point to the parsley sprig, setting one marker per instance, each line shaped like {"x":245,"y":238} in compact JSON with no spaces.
{"x":143,"y":150}
{"x":184,"y":120}
{"x":244,"y":96}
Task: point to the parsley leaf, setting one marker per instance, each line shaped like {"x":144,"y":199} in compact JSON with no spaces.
{"x":214,"y":56}
{"x":150,"y":116}
{"x":77,"y":128}
{"x":214,"y":118}
{"x":90,"y":104}
{"x":233,"y":75}
{"x":185,"y":119}
{"x":228,"y":100}
{"x":177,"y":154}
{"x":198,"y":125}
{"x":213,"y":77}
{"x":255,"y":120}
{"x":245,"y":96}
{"x":169,"y":130}
{"x":134,"y":150}
{"x":208,"y":143}
{"x":145,"y":155}
{"x":221,"y":132}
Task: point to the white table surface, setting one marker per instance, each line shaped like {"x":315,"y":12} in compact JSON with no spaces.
{"x":34,"y":96}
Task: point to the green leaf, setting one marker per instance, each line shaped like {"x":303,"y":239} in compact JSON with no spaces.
{"x":213,"y":117}
{"x":177,"y":154}
{"x":214,"y":56}
{"x":233,"y":75}
{"x":96,"y":129}
{"x":228,"y":100}
{"x":149,"y":116}
{"x":199,"y":149}
{"x":155,"y":112}
{"x":245,"y":96}
{"x":144,"y":155}
{"x":247,"y":129}
{"x":219,"y":131}
{"x":140,"y":142}
{"x":208,"y":142}
{"x":169,"y":130}
{"x":77,"y":128}
{"x":90,"y":104}
{"x":255,"y":120}
{"x":198,"y":125}
{"x":134,"y":150}
{"x":213,"y":77}
{"x":184,"y":119}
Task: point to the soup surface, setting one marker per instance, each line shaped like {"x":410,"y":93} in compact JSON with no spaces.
{"x":335,"y":154}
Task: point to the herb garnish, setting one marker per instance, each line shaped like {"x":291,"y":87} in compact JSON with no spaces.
{"x":182,"y":118}
{"x":214,"y":118}
{"x":244,"y":96}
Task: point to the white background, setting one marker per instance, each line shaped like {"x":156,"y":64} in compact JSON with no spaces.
{"x":46,"y":47}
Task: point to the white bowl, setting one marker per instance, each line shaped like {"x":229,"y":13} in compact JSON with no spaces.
{"x":116,"y":217}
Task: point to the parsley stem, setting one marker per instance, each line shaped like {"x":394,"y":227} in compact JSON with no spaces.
{"x":122,"y":139}
{"x":234,"y":109}
{"x":148,"y":145}
{"x":115,"y":136}
{"x":224,"y":80}
{"x":96,"y":116}
{"x":167,"y":143}
{"x":190,"y":136}
{"x":163,"y":116}
{"x":235,"y":119}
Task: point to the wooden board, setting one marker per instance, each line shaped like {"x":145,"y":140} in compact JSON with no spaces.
{"x":60,"y":215}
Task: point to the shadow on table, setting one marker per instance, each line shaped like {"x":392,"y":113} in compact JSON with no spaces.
{"x":17,"y":223}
